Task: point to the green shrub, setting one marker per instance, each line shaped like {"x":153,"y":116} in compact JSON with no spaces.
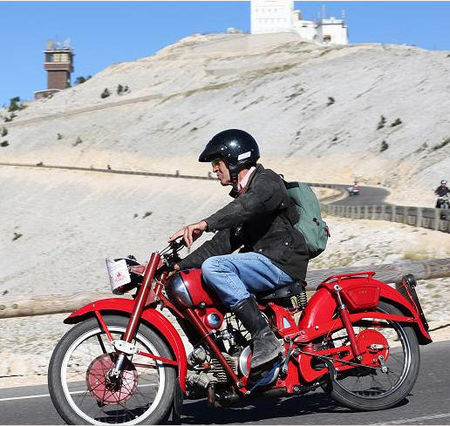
{"x":16,"y":236}
{"x":330,"y":101}
{"x":384,"y":146}
{"x":4,"y":131}
{"x":14,"y":104}
{"x":105,"y":93}
{"x":397,"y":122}
{"x":442,"y":144}
{"x":10,"y":118}
{"x":381,"y":123}
{"x":81,"y":79}
{"x":4,"y":144}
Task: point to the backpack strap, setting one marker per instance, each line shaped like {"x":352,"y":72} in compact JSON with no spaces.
{"x":290,"y":212}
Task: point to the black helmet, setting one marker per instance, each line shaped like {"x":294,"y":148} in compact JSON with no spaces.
{"x":237,"y":148}
{"x":443,"y":182}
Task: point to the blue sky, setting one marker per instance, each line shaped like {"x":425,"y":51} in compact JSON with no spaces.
{"x":105,"y":32}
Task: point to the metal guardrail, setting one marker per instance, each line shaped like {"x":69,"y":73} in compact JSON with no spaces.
{"x":430,"y":218}
{"x":389,"y":273}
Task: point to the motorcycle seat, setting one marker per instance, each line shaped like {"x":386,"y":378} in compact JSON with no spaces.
{"x":287,"y":291}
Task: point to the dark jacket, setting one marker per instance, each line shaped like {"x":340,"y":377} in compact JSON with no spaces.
{"x":259,"y":220}
{"x":442,"y":191}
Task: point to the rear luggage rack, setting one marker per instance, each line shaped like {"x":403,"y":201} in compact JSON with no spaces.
{"x":339,"y":277}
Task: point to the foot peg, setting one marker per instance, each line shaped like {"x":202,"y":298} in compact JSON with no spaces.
{"x":262,"y":377}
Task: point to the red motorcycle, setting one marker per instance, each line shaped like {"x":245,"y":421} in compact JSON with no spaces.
{"x":125,"y":362}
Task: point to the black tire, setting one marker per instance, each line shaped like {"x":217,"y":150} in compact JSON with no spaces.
{"x":68,"y":372}
{"x":374,"y":398}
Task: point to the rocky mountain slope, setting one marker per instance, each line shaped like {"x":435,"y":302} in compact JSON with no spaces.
{"x":379,"y":113}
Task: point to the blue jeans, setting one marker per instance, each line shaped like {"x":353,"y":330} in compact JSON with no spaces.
{"x":235,"y":276}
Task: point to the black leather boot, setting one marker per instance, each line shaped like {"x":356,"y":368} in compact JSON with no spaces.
{"x":266,"y":346}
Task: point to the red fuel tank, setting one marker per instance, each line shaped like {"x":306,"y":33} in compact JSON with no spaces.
{"x":197,"y":289}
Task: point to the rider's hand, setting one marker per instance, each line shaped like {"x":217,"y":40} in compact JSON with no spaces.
{"x":187,"y":232}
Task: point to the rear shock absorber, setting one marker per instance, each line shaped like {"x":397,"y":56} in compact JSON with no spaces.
{"x":302,"y":299}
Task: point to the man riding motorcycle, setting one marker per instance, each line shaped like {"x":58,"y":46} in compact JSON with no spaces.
{"x":441,"y":191}
{"x":259,"y":223}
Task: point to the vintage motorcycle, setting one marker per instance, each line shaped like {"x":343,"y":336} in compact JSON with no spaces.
{"x":124,"y":361}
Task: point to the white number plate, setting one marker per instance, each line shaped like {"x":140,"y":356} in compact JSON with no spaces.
{"x":118,"y":273}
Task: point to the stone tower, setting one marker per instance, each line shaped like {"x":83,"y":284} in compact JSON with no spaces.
{"x":58,"y":63}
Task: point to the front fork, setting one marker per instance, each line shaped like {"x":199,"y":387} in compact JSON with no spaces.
{"x":125,"y":347}
{"x":345,"y":315}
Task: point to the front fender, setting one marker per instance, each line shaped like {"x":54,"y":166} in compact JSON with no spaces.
{"x":319,"y":311}
{"x":153,"y":318}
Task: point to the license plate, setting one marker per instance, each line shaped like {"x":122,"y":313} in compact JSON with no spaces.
{"x":118,"y":273}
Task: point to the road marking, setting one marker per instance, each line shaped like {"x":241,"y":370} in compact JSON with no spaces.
{"x":415,"y":419}
{"x":44,"y":395}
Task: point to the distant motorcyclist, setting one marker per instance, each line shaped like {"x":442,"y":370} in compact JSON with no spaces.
{"x":354,"y":189}
{"x":441,"y":191}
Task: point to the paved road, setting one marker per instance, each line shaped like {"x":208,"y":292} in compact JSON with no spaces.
{"x":428,"y":404}
{"x":371,"y":196}
{"x":368,"y":195}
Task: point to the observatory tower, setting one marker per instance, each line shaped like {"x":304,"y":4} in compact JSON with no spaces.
{"x":58,"y":63}
{"x":275,"y":16}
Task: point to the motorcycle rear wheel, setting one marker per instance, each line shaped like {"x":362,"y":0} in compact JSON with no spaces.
{"x":368,"y":389}
{"x":82,"y":391}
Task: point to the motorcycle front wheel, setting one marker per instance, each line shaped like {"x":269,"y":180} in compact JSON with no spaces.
{"x":83,"y":391}
{"x":367,"y":389}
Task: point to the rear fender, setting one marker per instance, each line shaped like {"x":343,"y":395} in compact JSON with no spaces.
{"x":318,"y":314}
{"x":151,"y":317}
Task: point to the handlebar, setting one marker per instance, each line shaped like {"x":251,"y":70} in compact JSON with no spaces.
{"x":170,"y":253}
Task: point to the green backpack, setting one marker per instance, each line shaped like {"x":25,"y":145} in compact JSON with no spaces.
{"x":310,"y":223}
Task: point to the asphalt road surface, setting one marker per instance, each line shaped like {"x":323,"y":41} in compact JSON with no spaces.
{"x":429,"y":403}
{"x":368,"y":196}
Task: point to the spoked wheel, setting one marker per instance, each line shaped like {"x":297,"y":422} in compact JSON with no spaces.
{"x":83,"y":390}
{"x":390,"y":364}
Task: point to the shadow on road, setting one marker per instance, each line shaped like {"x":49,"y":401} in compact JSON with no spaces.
{"x":251,"y":411}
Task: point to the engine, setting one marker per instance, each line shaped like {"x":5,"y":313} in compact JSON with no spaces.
{"x":206,"y":371}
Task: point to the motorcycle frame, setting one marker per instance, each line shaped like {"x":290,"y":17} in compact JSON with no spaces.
{"x":317,"y":320}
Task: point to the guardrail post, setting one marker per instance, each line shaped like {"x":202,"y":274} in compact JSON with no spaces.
{"x":419,"y":216}
{"x":394,"y":213}
{"x":405,"y":215}
{"x":383,"y":211}
{"x":437,"y":219}
{"x":366,"y":212}
{"x":358,"y":212}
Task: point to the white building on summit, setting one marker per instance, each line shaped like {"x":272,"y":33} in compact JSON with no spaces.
{"x":275,"y":16}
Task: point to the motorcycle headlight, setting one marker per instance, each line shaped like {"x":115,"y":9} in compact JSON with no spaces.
{"x":136,"y":279}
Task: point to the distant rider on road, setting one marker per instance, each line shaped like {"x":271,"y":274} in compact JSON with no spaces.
{"x":441,"y":191}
